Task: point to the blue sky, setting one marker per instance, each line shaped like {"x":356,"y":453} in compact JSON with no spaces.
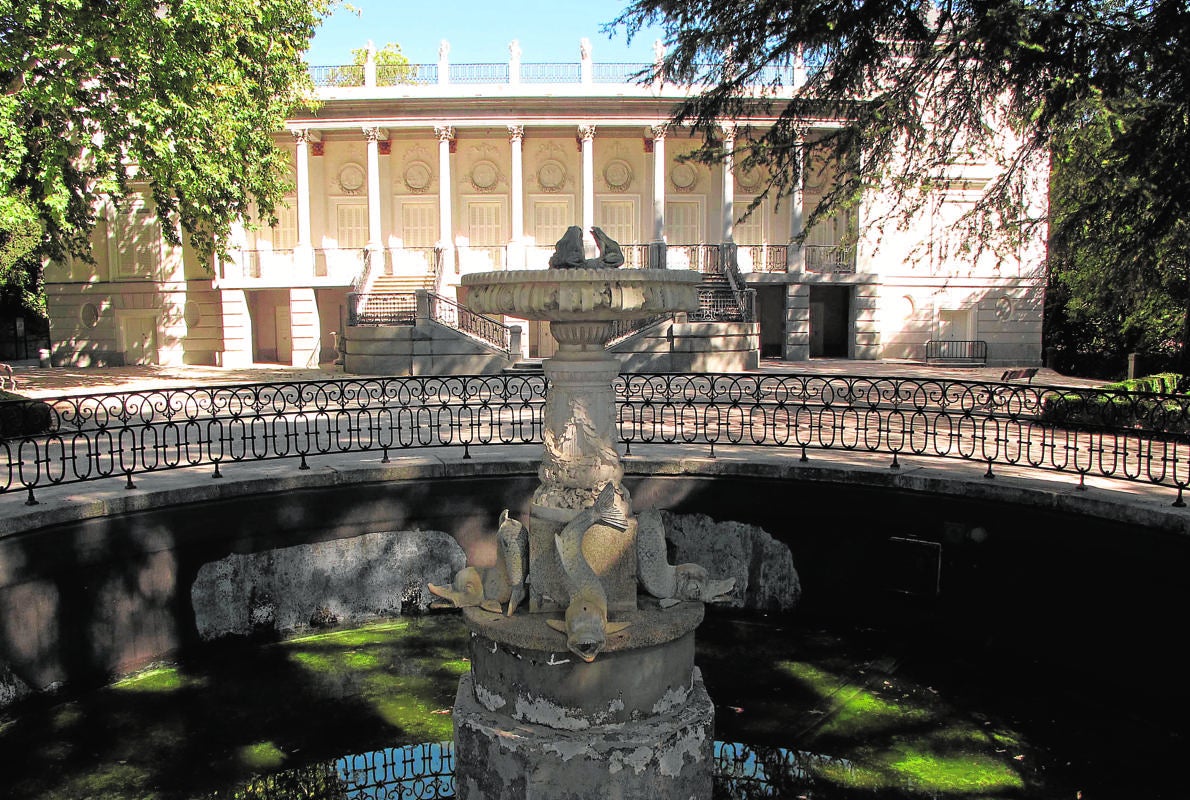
{"x":479,"y":31}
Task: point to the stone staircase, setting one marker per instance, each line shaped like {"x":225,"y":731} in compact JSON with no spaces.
{"x":401,"y":284}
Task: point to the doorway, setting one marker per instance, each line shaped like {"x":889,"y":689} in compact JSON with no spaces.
{"x":830,"y":321}
{"x":770,"y":302}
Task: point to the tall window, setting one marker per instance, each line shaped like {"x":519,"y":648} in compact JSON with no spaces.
{"x":618,"y":219}
{"x":419,"y":223}
{"x":352,"y":220}
{"x":284,"y":233}
{"x":551,"y":218}
{"x":752,"y":230}
{"x":485,"y":224}
{"x":683,"y":222}
{"x":139,"y":240}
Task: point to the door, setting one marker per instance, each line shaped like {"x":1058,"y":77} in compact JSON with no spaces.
{"x":140,"y":339}
{"x":284,"y":324}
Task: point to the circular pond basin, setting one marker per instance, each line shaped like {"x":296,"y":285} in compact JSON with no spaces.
{"x":804,"y":708}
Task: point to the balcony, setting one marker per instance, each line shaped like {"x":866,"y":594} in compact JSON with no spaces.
{"x":284,"y":268}
{"x":832,"y":258}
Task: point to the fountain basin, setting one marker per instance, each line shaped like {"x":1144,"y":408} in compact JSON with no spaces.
{"x":582,"y":295}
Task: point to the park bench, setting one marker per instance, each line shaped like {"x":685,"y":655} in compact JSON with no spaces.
{"x":1018,"y":374}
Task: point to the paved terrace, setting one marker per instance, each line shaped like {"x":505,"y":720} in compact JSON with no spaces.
{"x":1123,"y":500}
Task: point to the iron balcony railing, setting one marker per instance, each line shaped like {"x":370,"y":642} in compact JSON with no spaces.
{"x":763,"y":257}
{"x":829,"y":258}
{"x":1131,"y":436}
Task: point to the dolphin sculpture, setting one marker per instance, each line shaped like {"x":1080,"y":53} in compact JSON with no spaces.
{"x":585,"y":623}
{"x":672,"y":584}
{"x":499,"y":589}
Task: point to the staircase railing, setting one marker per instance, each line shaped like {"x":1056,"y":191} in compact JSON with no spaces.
{"x":485,"y":329}
{"x":729,"y":265}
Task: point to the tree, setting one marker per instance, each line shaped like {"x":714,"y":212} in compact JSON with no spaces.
{"x":182,"y":96}
{"x":921,"y":84}
{"x":392,"y":67}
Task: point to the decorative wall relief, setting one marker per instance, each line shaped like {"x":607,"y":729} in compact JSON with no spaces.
{"x":417,"y":176}
{"x":683,"y":177}
{"x":485,"y":175}
{"x":551,"y":176}
{"x":747,"y":180}
{"x":618,"y":175}
{"x":352,"y":179}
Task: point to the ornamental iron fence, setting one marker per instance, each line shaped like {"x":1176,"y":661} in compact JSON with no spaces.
{"x":1132,"y":436}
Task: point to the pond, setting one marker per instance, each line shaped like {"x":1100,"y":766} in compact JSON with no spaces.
{"x":805,"y":708}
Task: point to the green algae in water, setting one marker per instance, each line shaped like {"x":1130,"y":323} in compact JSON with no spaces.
{"x":261,"y":756}
{"x":157,"y":679}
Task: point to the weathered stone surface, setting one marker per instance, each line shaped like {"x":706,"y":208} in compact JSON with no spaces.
{"x":12,"y":688}
{"x":766,"y":579}
{"x":341,"y":581}
{"x":666,"y":757}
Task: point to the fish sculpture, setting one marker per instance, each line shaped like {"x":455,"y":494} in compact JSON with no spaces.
{"x":672,"y":584}
{"x":501,"y":588}
{"x":513,"y":541}
{"x":585,"y":624}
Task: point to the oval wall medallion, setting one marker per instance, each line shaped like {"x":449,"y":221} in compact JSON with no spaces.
{"x":192,"y":314}
{"x":89,"y":315}
{"x":683,"y":177}
{"x":484,"y":176}
{"x":747,"y":179}
{"x":618,"y":175}
{"x":551,"y":176}
{"x":352,"y":178}
{"x":417,"y":176}
{"x":1003,"y":308}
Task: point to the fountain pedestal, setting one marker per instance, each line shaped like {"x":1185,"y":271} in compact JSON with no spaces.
{"x":532,"y":719}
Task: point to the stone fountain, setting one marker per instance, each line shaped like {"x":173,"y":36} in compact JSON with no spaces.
{"x":593,"y":693}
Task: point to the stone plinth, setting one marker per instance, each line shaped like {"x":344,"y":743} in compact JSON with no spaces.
{"x":522,"y":669}
{"x":532,"y":720}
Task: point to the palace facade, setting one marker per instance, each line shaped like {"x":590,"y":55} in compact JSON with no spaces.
{"x":407,"y":178}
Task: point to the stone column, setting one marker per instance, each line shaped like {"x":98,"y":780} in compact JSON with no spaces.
{"x":304,"y":250}
{"x":373,"y":137}
{"x":795,"y":254}
{"x":657,"y":246}
{"x":586,"y":135}
{"x":516,"y":245}
{"x":728,"y":183}
{"x":446,"y":137}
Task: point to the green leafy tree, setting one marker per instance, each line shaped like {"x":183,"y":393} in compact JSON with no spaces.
{"x":392,"y":68}
{"x":921,"y":85}
{"x":182,"y":96}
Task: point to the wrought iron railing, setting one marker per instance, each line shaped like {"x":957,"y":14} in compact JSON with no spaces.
{"x":485,"y":329}
{"x":534,"y":72}
{"x":626,"y":328}
{"x":479,"y":73}
{"x":973,"y":350}
{"x":724,"y":305}
{"x":381,"y":308}
{"x":829,"y":258}
{"x":763,"y":257}
{"x":1131,"y":436}
{"x":698,"y":257}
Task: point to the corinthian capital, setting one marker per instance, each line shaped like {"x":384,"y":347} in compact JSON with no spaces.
{"x":445,"y":133}
{"x":586,"y":132}
{"x":516,"y":133}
